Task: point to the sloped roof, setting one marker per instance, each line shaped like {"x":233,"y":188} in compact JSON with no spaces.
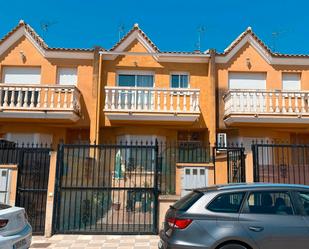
{"x":250,"y":32}
{"x":141,"y":32}
{"x":137,"y":29}
{"x":25,"y":29}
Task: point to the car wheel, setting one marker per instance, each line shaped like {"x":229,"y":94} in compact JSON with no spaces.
{"x":233,"y":246}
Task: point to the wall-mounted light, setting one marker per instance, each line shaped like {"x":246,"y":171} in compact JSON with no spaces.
{"x":135,"y":63}
{"x":22,"y":56}
{"x":248,"y":62}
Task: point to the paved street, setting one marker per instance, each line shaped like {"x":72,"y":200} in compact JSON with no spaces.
{"x":96,"y":242}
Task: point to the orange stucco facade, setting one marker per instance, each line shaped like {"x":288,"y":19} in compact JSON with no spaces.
{"x":61,"y":129}
{"x":98,"y":110}
{"x":199,"y":78}
{"x":288,"y":132}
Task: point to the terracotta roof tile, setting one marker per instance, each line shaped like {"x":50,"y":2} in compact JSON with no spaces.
{"x":250,"y":31}
{"x":40,"y":40}
{"x":134,"y":28}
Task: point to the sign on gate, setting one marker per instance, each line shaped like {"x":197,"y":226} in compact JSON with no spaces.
{"x":5,"y":180}
{"x":107,"y":189}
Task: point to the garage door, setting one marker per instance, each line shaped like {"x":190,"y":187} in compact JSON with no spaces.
{"x":247,"y":81}
{"x":22,"y":75}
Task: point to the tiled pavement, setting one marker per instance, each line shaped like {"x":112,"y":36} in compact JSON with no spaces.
{"x":96,"y":242}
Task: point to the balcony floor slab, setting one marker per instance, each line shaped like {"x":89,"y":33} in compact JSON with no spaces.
{"x":167,"y":117}
{"x":56,"y":115}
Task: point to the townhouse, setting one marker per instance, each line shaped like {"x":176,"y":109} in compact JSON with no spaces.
{"x":262,"y":95}
{"x":46,"y":93}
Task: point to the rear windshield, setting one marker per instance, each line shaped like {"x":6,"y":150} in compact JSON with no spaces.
{"x":187,"y":201}
{"x":4,"y":206}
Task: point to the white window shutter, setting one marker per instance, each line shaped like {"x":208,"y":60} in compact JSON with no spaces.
{"x":291,"y":81}
{"x":22,"y":75}
{"x":67,"y":76}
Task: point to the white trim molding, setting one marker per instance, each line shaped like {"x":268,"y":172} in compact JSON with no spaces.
{"x":22,"y":31}
{"x":266,"y":55}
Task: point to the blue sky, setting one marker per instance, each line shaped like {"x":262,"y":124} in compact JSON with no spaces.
{"x":172,"y":25}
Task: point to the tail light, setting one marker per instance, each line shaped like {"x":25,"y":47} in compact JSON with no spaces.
{"x":3,"y":223}
{"x":178,"y":223}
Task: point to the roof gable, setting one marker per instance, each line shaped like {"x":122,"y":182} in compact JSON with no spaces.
{"x":23,"y":29}
{"x":135,"y":34}
{"x":248,"y":36}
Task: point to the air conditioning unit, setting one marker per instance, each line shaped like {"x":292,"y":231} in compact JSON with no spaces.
{"x":221,"y":140}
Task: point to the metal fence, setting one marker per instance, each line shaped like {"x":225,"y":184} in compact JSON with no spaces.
{"x":110,"y":188}
{"x":281,"y":163}
{"x":235,"y":162}
{"x":32,"y":181}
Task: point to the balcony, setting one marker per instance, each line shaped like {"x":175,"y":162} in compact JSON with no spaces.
{"x":259,"y":106}
{"x":39,"y":101}
{"x":152,"y":104}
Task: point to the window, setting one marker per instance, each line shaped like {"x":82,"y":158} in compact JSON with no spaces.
{"x":21,"y":75}
{"x":291,"y":81}
{"x":187,"y":201}
{"x":135,"y":80}
{"x":179,"y":80}
{"x":67,"y":76}
{"x":269,"y":203}
{"x":304,"y":198}
{"x":227,"y":203}
{"x":247,"y":80}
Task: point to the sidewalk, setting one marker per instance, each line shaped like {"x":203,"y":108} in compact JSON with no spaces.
{"x":96,"y":242}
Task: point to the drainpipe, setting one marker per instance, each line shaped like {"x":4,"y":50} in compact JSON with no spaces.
{"x":98,"y":104}
{"x":212,"y":75}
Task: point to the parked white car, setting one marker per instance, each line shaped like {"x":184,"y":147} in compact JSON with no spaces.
{"x":15,"y":230}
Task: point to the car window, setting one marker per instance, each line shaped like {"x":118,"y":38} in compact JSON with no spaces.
{"x":269,"y":202}
{"x":304,"y":198}
{"x":187,"y":201}
{"x":227,"y":203}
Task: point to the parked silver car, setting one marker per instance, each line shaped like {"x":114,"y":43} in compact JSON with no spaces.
{"x":239,"y":216}
{"x":15,"y":231}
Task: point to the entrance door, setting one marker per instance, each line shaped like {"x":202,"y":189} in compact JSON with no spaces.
{"x":193,"y":177}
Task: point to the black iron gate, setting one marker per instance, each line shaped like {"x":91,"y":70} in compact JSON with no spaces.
{"x":32,"y":181}
{"x":236,"y":165}
{"x":235,"y":162}
{"x":107,"y":189}
{"x":281,"y":163}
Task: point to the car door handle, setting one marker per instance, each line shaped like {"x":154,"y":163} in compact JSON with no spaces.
{"x":256,"y":229}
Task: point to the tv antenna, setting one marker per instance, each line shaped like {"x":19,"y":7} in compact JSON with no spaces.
{"x":121,"y":30}
{"x":275,"y":35}
{"x":45,"y":26}
{"x":200,"y":31}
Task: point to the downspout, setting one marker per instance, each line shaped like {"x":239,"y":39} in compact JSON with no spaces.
{"x":98,"y":104}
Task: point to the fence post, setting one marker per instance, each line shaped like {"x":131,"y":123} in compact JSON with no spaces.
{"x":254,"y":148}
{"x":214,"y":151}
{"x":50,"y":194}
{"x":156,"y":189}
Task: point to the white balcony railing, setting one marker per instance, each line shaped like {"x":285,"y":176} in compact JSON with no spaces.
{"x":145,"y":99}
{"x":20,"y":97}
{"x":266,"y":102}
